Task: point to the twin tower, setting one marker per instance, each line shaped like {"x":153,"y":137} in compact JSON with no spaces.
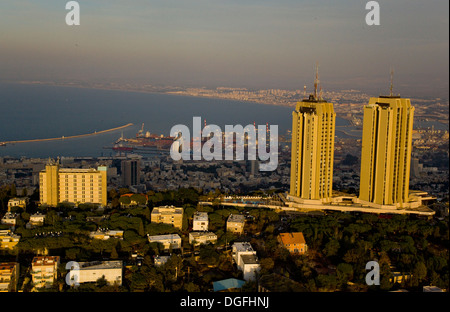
{"x":385,"y":155}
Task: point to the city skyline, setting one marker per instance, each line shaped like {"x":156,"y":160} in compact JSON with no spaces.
{"x":253,"y":44}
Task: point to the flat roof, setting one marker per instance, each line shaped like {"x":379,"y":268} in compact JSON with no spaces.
{"x":249,"y":259}
{"x":236,"y":218}
{"x":164,"y":237}
{"x":101,"y":265}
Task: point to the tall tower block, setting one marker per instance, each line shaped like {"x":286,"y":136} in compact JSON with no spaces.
{"x":386,"y":151}
{"x":313,"y":129}
{"x":49,"y":183}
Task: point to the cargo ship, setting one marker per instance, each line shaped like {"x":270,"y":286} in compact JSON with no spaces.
{"x":143,"y":141}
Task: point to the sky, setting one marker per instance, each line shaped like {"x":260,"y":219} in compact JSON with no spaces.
{"x":232,"y":43}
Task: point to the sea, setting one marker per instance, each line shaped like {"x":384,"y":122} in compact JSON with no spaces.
{"x":36,"y":111}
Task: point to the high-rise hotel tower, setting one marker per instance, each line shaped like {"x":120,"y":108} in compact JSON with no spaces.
{"x":386,"y":151}
{"x":313,"y":128}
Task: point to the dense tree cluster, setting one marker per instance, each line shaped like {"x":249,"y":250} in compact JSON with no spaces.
{"x":339,"y":245}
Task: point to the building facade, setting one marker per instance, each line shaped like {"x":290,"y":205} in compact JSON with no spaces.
{"x":246,"y":260}
{"x":130,"y":172}
{"x":18,"y":202}
{"x":44,"y":271}
{"x":200,"y":222}
{"x":77,"y":186}
{"x":168,"y":215}
{"x":169,"y":241}
{"x":235,"y":223}
{"x":312,"y":150}
{"x":294,"y":242}
{"x":386,"y":151}
{"x":198,"y":238}
{"x":8,"y":239}
{"x":111,"y":271}
{"x":9,"y":276}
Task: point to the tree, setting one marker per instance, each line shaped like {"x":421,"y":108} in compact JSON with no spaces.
{"x":327,"y":282}
{"x":125,"y":200}
{"x":267,"y":265}
{"x":344,"y":273}
{"x":114,"y":254}
{"x":420,"y":271}
{"x":332,"y":248}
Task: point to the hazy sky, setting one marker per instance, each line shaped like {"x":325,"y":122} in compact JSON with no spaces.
{"x":235,"y":43}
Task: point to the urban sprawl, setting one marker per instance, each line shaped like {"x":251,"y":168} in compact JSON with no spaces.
{"x":132,"y":222}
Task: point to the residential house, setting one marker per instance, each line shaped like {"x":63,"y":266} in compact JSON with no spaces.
{"x":294,"y":242}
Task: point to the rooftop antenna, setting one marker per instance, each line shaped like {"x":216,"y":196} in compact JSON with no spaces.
{"x":392,"y":82}
{"x":316,"y":82}
{"x":304,"y":91}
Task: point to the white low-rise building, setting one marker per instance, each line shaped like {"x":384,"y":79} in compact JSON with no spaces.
{"x":200,"y":222}
{"x":111,"y":271}
{"x":246,"y":260}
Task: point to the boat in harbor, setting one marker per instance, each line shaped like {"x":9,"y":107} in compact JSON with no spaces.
{"x":143,"y":141}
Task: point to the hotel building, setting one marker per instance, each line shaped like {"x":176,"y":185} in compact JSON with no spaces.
{"x":312,"y":151}
{"x":77,"y":186}
{"x":386,"y":152}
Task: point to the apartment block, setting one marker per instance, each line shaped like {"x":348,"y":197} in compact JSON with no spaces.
{"x":169,"y":241}
{"x":235,"y":223}
{"x":246,"y":260}
{"x":313,"y":130}
{"x":44,"y":271}
{"x":386,"y":152}
{"x":9,"y":275}
{"x":200,"y":222}
{"x":168,"y":215}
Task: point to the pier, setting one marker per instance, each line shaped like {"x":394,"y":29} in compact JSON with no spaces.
{"x":66,"y":137}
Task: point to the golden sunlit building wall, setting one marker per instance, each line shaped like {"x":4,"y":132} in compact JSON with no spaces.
{"x":77,"y":186}
{"x":386,"y":151}
{"x":313,"y":130}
